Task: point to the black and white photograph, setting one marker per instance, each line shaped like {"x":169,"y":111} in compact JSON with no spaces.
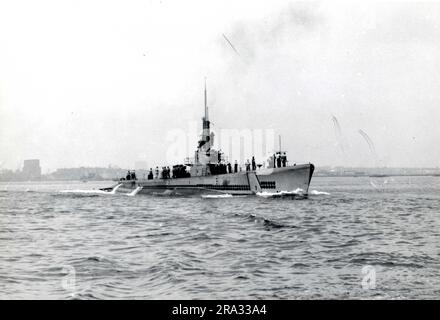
{"x":229,"y":151}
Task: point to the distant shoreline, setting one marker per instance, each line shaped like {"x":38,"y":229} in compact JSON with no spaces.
{"x":377,"y":176}
{"x":314,"y":176}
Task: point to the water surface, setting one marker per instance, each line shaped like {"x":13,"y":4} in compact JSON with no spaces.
{"x":353,"y":238}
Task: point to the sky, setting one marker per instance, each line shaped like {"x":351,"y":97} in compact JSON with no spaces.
{"x":98,"y":83}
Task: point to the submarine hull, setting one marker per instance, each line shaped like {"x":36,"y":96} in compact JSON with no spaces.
{"x":272,"y":180}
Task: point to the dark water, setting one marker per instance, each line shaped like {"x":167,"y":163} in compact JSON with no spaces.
{"x":369,"y":238}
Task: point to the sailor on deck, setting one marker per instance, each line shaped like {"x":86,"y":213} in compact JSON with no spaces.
{"x":278,"y":161}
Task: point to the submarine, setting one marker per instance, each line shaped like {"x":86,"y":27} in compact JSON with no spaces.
{"x":209,"y":174}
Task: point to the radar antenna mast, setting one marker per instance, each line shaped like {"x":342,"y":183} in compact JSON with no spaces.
{"x":206,"y":103}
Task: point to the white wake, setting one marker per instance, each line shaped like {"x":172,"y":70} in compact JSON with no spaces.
{"x":317,"y":193}
{"x":266,"y":194}
{"x":134,"y":192}
{"x":91,"y":191}
{"x":216,"y":196}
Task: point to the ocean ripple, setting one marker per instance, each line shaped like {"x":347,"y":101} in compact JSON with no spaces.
{"x":65,"y":241}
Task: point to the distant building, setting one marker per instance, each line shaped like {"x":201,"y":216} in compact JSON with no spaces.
{"x":87,"y":174}
{"x":31,"y":169}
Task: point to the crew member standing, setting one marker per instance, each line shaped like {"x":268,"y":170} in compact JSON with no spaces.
{"x":248,"y":165}
{"x":284,"y":160}
{"x":236,"y":166}
{"x":254,"y":165}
